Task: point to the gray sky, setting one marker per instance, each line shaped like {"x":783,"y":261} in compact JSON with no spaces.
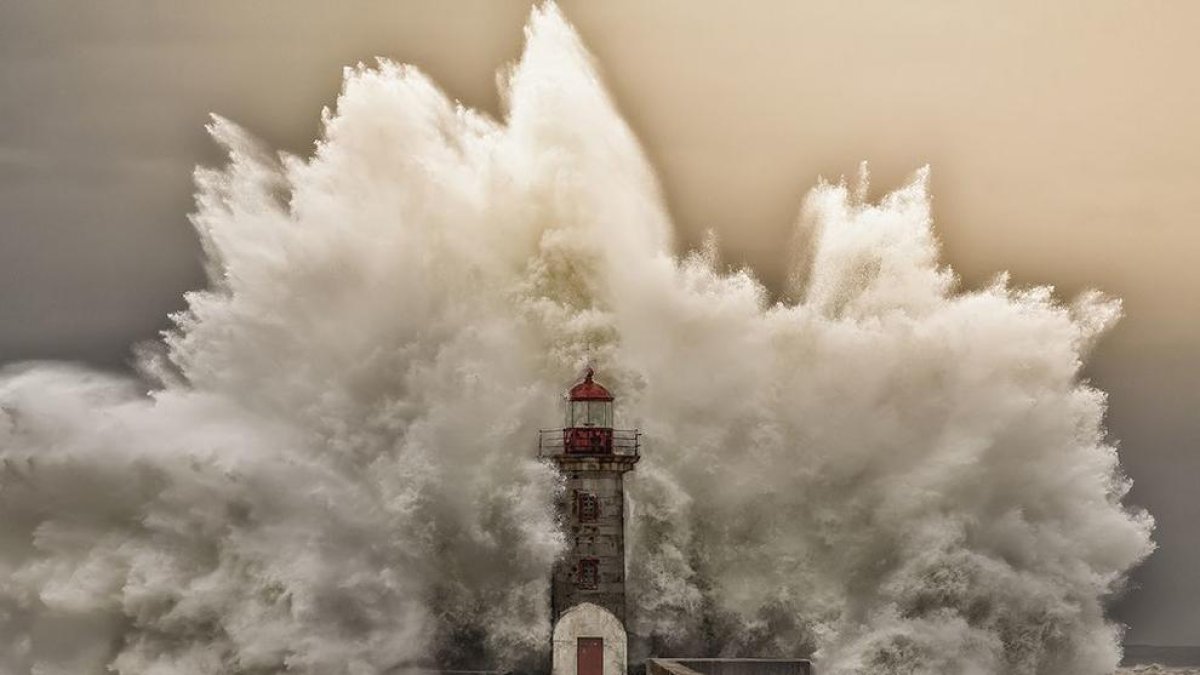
{"x":1063,"y":138}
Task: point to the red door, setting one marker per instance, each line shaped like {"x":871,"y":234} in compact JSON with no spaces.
{"x":590,"y":656}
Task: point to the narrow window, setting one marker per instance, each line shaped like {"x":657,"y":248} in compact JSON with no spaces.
{"x":587,"y":506}
{"x":589,"y":573}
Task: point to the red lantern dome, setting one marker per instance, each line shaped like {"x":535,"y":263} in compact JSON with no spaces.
{"x":589,"y":390}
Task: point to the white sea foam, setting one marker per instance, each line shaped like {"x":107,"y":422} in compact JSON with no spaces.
{"x":334,"y":470}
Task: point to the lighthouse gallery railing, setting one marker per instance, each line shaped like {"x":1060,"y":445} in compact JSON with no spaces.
{"x":553,"y":443}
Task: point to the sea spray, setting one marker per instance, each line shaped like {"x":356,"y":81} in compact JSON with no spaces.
{"x":328,"y":466}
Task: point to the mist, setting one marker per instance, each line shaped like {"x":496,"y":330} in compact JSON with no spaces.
{"x":328,"y":465}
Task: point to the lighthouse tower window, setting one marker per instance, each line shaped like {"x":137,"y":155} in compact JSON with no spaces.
{"x":589,"y":573}
{"x":588,"y":507}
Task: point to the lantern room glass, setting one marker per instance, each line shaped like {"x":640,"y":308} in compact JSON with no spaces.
{"x":590,"y":414}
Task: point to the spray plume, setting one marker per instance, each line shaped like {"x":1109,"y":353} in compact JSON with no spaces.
{"x":333,"y":471}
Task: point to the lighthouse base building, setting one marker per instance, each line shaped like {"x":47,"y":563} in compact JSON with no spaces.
{"x":589,"y":640}
{"x":587,"y":590}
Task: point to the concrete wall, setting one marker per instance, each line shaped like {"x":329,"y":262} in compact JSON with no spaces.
{"x":664,"y":666}
{"x":588,"y":620}
{"x":602,"y":539}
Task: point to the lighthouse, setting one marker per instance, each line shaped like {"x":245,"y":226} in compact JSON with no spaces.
{"x":587,"y":590}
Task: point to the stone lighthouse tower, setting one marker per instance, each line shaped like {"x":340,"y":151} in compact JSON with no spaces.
{"x":587,"y":592}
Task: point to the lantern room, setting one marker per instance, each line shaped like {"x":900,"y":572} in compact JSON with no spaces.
{"x":589,"y":418}
{"x":589,"y":405}
{"x":588,"y":428}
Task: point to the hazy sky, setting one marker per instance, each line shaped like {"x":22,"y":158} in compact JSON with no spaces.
{"x":1064,"y":139}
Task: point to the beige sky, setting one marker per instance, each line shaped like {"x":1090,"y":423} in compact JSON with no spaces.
{"x":1064,"y":139}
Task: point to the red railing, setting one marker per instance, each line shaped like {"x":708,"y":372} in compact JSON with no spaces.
{"x":589,"y":441}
